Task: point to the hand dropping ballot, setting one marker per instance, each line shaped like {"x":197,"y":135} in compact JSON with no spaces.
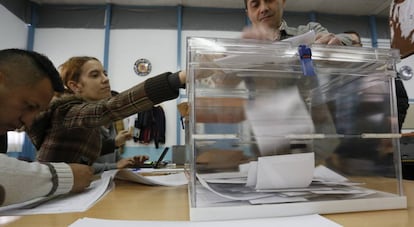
{"x":276,"y":117}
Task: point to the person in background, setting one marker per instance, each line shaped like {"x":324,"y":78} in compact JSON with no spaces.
{"x":378,"y":153}
{"x":119,"y":127}
{"x":113,"y":140}
{"x":401,"y":93}
{"x":355,"y":37}
{"x":267,"y":21}
{"x":73,"y":122}
{"x":110,"y":157}
{"x":28,"y":81}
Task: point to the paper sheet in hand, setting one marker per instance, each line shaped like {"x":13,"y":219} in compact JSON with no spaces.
{"x":275,"y":116}
{"x":250,"y":60}
{"x":285,"y":171}
{"x":304,"y":39}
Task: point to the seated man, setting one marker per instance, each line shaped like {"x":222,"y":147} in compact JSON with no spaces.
{"x":28,"y":81}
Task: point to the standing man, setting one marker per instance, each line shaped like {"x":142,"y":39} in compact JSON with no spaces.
{"x":28,"y":81}
{"x":268,"y":24}
{"x":401,"y":93}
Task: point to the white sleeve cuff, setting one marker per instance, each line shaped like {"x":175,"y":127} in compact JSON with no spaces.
{"x":64,"y":176}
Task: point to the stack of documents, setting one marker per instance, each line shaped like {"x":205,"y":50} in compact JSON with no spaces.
{"x":272,"y":188}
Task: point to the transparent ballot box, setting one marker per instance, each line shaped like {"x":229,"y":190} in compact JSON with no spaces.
{"x":276,"y":129}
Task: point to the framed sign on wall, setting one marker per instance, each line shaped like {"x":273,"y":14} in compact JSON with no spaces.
{"x":142,"y":67}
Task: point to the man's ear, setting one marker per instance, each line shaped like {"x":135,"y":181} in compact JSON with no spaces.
{"x":73,"y":86}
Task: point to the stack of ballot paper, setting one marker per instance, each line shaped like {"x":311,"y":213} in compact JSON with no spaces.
{"x":281,"y":179}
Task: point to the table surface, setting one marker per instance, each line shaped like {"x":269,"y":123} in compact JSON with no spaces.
{"x":131,"y":201}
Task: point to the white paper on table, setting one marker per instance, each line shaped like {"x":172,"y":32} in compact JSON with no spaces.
{"x":293,"y":221}
{"x":275,"y":116}
{"x":277,"y":199}
{"x":74,"y":202}
{"x":285,"y":171}
{"x":172,"y":178}
{"x":325,"y":174}
{"x":79,"y":202}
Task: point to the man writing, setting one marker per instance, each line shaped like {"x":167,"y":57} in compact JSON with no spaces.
{"x":28,"y":81}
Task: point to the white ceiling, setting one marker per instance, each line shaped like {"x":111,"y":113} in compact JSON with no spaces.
{"x":347,"y":7}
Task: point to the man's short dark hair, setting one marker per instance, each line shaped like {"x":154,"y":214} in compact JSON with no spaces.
{"x":39,"y":62}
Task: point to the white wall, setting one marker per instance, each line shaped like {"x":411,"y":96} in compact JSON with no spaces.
{"x":13,"y":30}
{"x":127,"y":46}
{"x":59,"y":44}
